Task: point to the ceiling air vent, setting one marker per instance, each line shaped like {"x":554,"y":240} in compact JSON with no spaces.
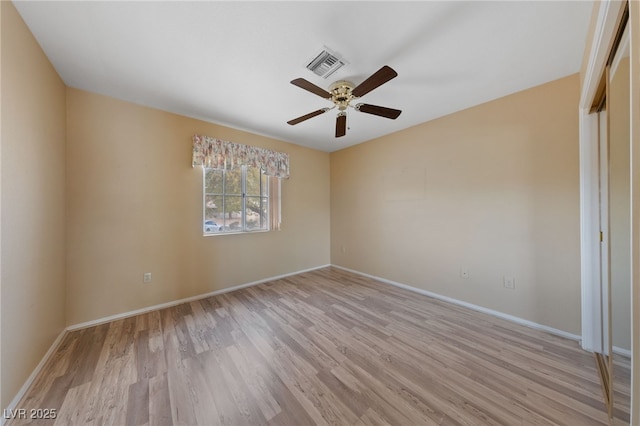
{"x":326,"y":63}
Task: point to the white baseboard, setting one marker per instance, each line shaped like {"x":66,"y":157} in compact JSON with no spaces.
{"x":186,"y":300}
{"x":620,"y":351}
{"x":482,"y":309}
{"x":27,"y":384}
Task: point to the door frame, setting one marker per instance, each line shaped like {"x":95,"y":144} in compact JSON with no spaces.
{"x":608,"y":14}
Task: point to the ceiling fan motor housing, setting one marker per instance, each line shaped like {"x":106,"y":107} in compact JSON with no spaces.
{"x":341,"y":93}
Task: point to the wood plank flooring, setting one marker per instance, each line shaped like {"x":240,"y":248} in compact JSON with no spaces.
{"x":323,"y":347}
{"x":621,"y":390}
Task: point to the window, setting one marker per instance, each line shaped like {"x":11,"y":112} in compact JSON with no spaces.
{"x":236,"y":200}
{"x":241,"y":185}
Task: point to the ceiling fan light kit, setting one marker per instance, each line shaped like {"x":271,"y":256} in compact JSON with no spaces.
{"x":342,"y":92}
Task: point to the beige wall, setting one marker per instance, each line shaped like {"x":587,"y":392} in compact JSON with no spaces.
{"x":135,"y":206}
{"x":33,"y":203}
{"x":493,"y":189}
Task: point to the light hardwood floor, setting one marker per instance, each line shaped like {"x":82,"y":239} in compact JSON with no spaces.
{"x":621,"y":390}
{"x":323,"y":347}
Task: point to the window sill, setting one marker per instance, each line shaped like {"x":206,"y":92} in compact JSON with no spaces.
{"x":217,"y":234}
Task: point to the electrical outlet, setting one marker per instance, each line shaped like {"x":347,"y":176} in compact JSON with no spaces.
{"x":146,"y":277}
{"x":464,"y":273}
{"x":343,"y":249}
{"x":509,"y":282}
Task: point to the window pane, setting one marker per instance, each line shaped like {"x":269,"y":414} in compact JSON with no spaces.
{"x":256,"y":213}
{"x":213,"y":181}
{"x":212,"y":204}
{"x":253,"y":181}
{"x":265,"y":213}
{"x":265,"y":188}
{"x":233,"y":220}
{"x":233,"y":181}
{"x":213,"y":213}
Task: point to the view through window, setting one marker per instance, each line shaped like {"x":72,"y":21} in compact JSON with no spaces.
{"x":235,"y":200}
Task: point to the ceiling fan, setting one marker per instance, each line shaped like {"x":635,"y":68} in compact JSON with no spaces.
{"x":342,"y":92}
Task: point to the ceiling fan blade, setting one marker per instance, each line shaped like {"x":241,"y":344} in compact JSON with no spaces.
{"x":379,"y":110}
{"x":307,"y":85}
{"x":341,"y":125}
{"x":378,"y":78}
{"x":307,"y":116}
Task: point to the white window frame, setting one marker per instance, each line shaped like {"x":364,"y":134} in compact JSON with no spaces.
{"x":263,"y":198}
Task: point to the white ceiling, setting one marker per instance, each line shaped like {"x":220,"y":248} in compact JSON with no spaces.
{"x":231,"y":62}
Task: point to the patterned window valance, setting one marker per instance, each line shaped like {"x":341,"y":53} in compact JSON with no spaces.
{"x":219,"y":154}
